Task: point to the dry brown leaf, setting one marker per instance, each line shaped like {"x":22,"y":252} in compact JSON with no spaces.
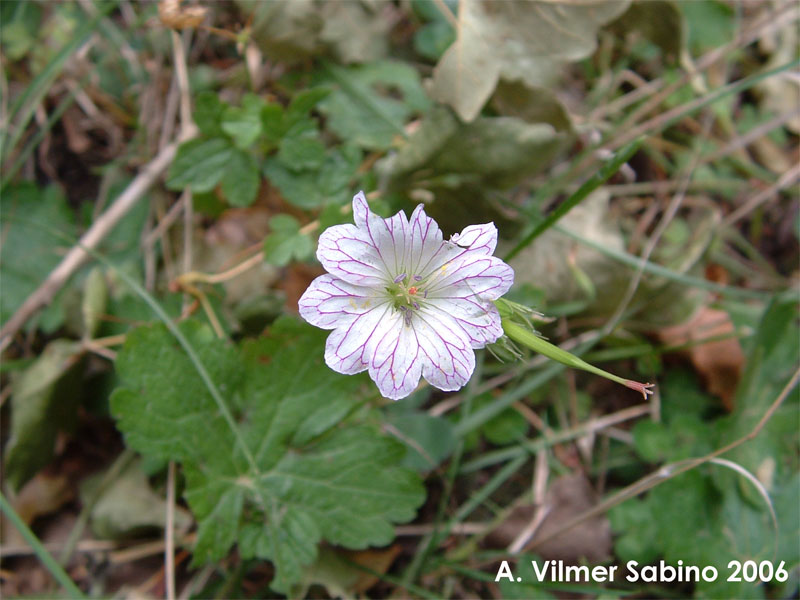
{"x":566,"y":498}
{"x":42,"y":495}
{"x":719,"y":363}
{"x":377,"y":561}
{"x":173,"y":15}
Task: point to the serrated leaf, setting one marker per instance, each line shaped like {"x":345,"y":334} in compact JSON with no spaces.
{"x":199,"y":164}
{"x":285,"y":242}
{"x":296,"y":493}
{"x":364,"y":111}
{"x":299,"y":189}
{"x":301,"y":151}
{"x":43,"y":403}
{"x":208,"y":110}
{"x":710,"y":515}
{"x":243,"y":123}
{"x":241,"y":179}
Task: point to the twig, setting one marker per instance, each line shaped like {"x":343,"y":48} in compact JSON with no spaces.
{"x":668,"y":471}
{"x":447,"y":13}
{"x":767,"y":24}
{"x":666,"y":219}
{"x":169,"y":545}
{"x":182,"y":77}
{"x":164,"y":223}
{"x":790,"y":177}
{"x":752,"y":135}
{"x":96,"y":233}
{"x":427,"y":528}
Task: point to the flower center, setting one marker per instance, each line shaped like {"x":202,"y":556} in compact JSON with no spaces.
{"x":406,"y":297}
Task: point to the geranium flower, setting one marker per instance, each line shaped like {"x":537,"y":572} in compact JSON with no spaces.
{"x":404,"y":303}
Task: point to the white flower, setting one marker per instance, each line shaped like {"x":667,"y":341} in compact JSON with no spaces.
{"x":402,"y":302}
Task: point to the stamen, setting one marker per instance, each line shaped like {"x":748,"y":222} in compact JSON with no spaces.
{"x":425,"y":294}
{"x":415,"y":304}
{"x":407,"y":317}
{"x":400,"y":278}
{"x":417,"y":277}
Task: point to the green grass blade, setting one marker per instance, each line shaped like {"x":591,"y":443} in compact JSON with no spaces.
{"x":41,"y":552}
{"x":65,"y":103}
{"x":606,"y":171}
{"x":661,"y":271}
{"x":22,"y":110}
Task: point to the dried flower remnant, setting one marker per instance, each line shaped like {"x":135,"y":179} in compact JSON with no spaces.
{"x":404,"y":303}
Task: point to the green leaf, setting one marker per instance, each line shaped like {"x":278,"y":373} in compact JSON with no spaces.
{"x":338,"y":171}
{"x":432,"y":39}
{"x":365,"y":110}
{"x":274,"y":122}
{"x":299,"y":189}
{"x":772,"y":361}
{"x":286,"y":243}
{"x":304,"y":101}
{"x":711,"y":515}
{"x":711,"y":24}
{"x":506,"y":428}
{"x":208,"y":110}
{"x":199,"y":164}
{"x":301,"y":150}
{"x":241,"y":179}
{"x":29,"y":249}
{"x":21,"y":22}
{"x":244,"y":124}
{"x":44,"y":402}
{"x":428,"y":440}
{"x":310,"y":480}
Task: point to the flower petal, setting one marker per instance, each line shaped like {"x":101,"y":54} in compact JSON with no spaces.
{"x":330,"y":302}
{"x":450,"y":359}
{"x":349,"y":254}
{"x":479,"y":318}
{"x":472,"y":274}
{"x":477,"y":238}
{"x":425,"y":242}
{"x":396,"y":363}
{"x":348,"y":348}
{"x":389,"y":236}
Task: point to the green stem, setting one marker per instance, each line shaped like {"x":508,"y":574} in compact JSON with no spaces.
{"x":527,"y":338}
{"x":44,"y":556}
{"x":606,"y":171}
